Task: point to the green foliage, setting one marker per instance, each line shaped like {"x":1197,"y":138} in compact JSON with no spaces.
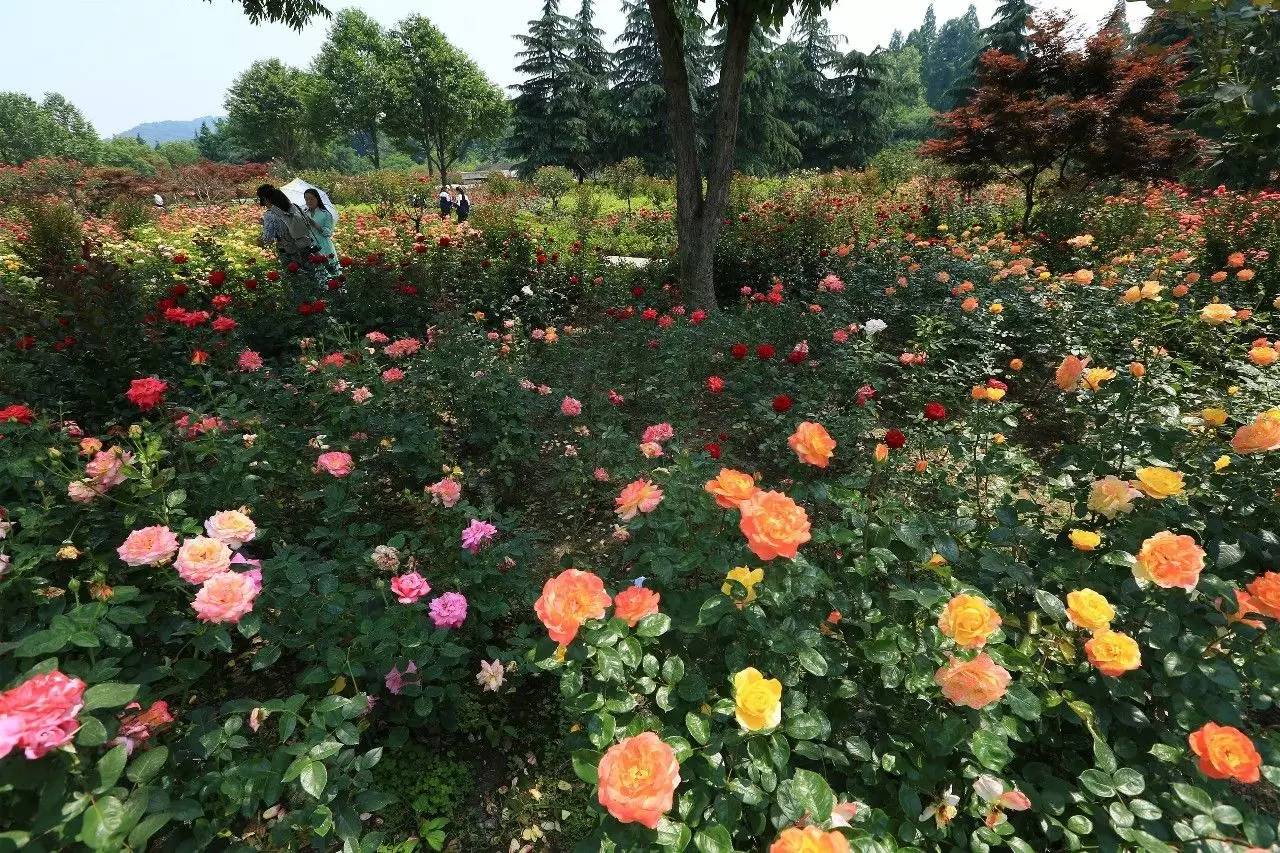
{"x":274,"y":113}
{"x":552,"y":182}
{"x":52,"y":128}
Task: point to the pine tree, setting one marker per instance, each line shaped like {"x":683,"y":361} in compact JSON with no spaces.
{"x":954,"y":54}
{"x":1118,"y":21}
{"x":766,"y":142}
{"x":896,"y":41}
{"x":862,"y":107}
{"x":589,"y":119}
{"x":807,"y":58}
{"x":541,"y":107}
{"x":640,"y":101}
{"x":1008,"y":30}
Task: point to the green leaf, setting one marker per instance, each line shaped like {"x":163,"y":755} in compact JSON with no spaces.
{"x":110,"y":766}
{"x":1098,"y":783}
{"x":673,"y":669}
{"x":1129,"y":781}
{"x":148,"y":764}
{"x":1194,"y":797}
{"x":314,"y":778}
{"x":1103,"y":758}
{"x":654,"y":625}
{"x":148,"y":827}
{"x":713,"y":839}
{"x":812,"y":793}
{"x":813,"y":661}
{"x":109,"y":694}
{"x":102,"y":819}
{"x":585,"y":763}
{"x":673,"y":836}
{"x":991,"y":749}
{"x":699,"y":727}
{"x":1051,"y":604}
{"x":804,"y":727}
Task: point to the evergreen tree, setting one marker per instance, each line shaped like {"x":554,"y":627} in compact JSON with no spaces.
{"x":589,"y":115}
{"x":949,"y":75}
{"x":543,"y":103}
{"x":1118,"y":21}
{"x":896,"y":41}
{"x":908,"y":117}
{"x":1008,"y":30}
{"x":808,"y":57}
{"x":639,"y":98}
{"x":924,"y":37}
{"x":767,"y":144}
{"x":862,"y":108}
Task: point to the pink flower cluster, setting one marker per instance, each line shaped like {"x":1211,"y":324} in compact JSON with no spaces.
{"x":40,"y":714}
{"x":335,"y":463}
{"x":446,"y":492}
{"x":477,"y":535}
{"x":402,"y":347}
{"x":103,"y":473}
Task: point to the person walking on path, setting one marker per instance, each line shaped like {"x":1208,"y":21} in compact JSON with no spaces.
{"x":322,"y":223}
{"x":446,"y":203}
{"x":463,"y":205}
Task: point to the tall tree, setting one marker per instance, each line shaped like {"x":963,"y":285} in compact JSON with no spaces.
{"x":923,"y":39}
{"x":1008,"y":29}
{"x":589,"y":120}
{"x":354,"y":61}
{"x":542,"y":105}
{"x":293,"y":13}
{"x":52,"y":128}
{"x":1100,"y":111}
{"x":272,"y":113}
{"x":640,"y":102}
{"x":951,"y":62}
{"x":808,"y":58}
{"x":863,"y":106}
{"x":702,"y":183}
{"x":442,"y":100}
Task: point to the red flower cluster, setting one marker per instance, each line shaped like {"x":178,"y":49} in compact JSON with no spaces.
{"x":147,"y":393}
{"x":17,"y":413}
{"x":895,"y":438}
{"x":306,"y":309}
{"x":781,"y":403}
{"x":935,"y":412}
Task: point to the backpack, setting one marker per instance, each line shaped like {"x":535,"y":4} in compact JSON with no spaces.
{"x":297,"y":239}
{"x":464,"y":206}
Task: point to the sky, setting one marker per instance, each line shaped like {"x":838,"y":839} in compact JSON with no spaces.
{"x":124,"y":62}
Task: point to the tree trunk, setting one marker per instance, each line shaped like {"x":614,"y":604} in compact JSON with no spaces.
{"x":377,"y":155}
{"x":1028,"y":199}
{"x":698,"y":215}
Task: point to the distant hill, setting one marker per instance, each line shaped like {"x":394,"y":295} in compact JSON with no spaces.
{"x":168,"y":131}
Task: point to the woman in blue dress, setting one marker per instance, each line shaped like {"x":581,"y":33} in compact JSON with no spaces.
{"x":322,"y":223}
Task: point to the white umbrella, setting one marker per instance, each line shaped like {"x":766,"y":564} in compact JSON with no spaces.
{"x":297,"y":187}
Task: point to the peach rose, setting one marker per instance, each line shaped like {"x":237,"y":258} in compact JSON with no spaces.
{"x":810,"y":839}
{"x":1263,"y":356}
{"x":975,"y":683}
{"x":774,"y":524}
{"x":225,"y":597}
{"x":730,"y":488}
{"x":1069,"y":372}
{"x":1245,"y":607}
{"x":568,"y":600}
{"x":231,"y":527}
{"x":1225,"y":752}
{"x":1261,"y":436}
{"x":637,"y":497}
{"x":1111,"y":496}
{"x":1113,"y":653}
{"x":1089,"y":610}
{"x":200,"y":558}
{"x":1170,"y":560}
{"x":634,"y":603}
{"x":149,"y":546}
{"x":969,"y":621}
{"x":1265,"y":593}
{"x":638,"y":777}
{"x":1216,"y":313}
{"x":812,"y":443}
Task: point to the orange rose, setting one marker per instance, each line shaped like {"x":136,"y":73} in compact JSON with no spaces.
{"x":638,"y":496}
{"x":1261,"y":436}
{"x":775,"y":525}
{"x":1265,"y":592}
{"x":634,"y":603}
{"x":1245,"y":607}
{"x":1137,"y":369}
{"x":809,"y":840}
{"x":1068,"y":373}
{"x":969,"y":621}
{"x":812,"y":443}
{"x":1170,"y":560}
{"x":1263,"y":356}
{"x":975,"y":683}
{"x":1225,"y":752}
{"x":969,"y":304}
{"x":1113,"y":653}
{"x":638,"y":777}
{"x":568,"y":600}
{"x":731,"y":488}
{"x":1015,"y":364}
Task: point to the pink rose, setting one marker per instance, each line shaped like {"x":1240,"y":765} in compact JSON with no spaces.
{"x":449,"y":610}
{"x":410,"y":587}
{"x":570,"y":407}
{"x":225,"y":597}
{"x":231,"y":527}
{"x":149,"y":546}
{"x":335,"y":463}
{"x":40,"y":714}
{"x":446,"y":492}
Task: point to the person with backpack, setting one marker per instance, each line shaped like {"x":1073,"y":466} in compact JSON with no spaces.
{"x":463,"y":205}
{"x":446,"y":203}
{"x":286,"y":228}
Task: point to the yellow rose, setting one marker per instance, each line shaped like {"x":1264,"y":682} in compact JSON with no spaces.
{"x":1159,"y":483}
{"x":757,"y":700}
{"x":1214,"y":417}
{"x":748,"y":578}
{"x":1216,"y":313}
{"x":969,"y":621}
{"x":1095,"y":376}
{"x":1084,"y":540}
{"x":1089,"y":610}
{"x":1221,"y":462}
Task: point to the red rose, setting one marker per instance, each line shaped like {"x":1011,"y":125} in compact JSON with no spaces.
{"x":713,"y":449}
{"x":294,"y":266}
{"x":147,"y":393}
{"x":272,"y":275}
{"x":715,"y":384}
{"x":220,"y":301}
{"x":996,"y":383}
{"x":26,"y":342}
{"x":217,"y":277}
{"x":17,"y":413}
{"x":637,"y":292}
{"x":251,"y":284}
{"x":765,"y":351}
{"x":697,"y":316}
{"x":222,"y":325}
{"x":865,"y":393}
{"x":180,"y":258}
{"x":796,"y":357}
{"x":344,"y":261}
{"x":935,"y":411}
{"x":179,"y":290}
{"x":334,"y":283}
{"x":445,"y":242}
{"x":739,"y":351}
{"x":199,"y":357}
{"x":319,"y":305}
{"x":781,"y":403}
{"x":649,"y":313}
{"x":895,"y":438}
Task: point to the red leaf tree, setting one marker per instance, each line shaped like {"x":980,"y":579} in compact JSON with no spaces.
{"x":1098,"y":111}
